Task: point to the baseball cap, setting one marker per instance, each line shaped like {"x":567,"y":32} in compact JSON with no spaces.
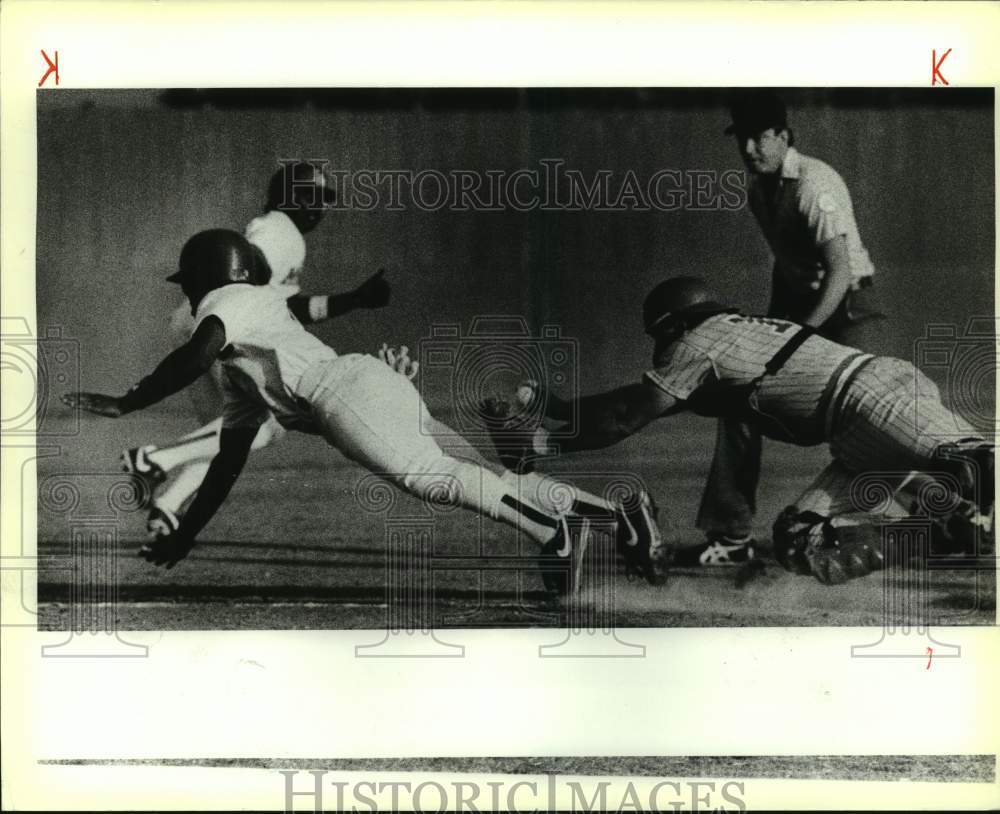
{"x":755,"y":111}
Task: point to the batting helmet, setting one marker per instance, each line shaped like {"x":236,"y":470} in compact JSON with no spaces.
{"x":301,"y":190}
{"x":212,"y":259}
{"x":678,"y":297}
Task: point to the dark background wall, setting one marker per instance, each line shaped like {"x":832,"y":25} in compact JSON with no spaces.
{"x":126,"y":176}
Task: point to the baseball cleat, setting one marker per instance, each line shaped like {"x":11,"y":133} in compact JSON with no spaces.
{"x":639,"y":539}
{"x":161,"y":522}
{"x":718,"y":550}
{"x":136,"y":462}
{"x":561,"y":558}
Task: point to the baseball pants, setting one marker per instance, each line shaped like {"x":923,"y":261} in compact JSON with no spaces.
{"x":889,"y":424}
{"x":377,"y":418}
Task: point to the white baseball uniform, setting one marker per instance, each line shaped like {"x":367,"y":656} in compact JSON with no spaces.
{"x":272,"y":366}
{"x":187,"y":459}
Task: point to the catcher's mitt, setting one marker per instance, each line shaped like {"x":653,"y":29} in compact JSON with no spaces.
{"x":511,"y":431}
{"x":808,"y":543}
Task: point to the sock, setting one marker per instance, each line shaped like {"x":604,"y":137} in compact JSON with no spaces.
{"x":557,"y":497}
{"x":182,"y":487}
{"x":474,"y":487}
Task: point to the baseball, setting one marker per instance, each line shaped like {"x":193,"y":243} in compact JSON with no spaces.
{"x":525,"y":394}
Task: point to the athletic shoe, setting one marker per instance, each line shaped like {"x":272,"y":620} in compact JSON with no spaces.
{"x":161,"y":522}
{"x":639,"y":540}
{"x":561,"y":558}
{"x":718,"y":550}
{"x":136,"y":462}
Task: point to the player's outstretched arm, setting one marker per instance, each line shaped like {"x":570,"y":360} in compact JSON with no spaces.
{"x":607,"y":418}
{"x":602,"y":420}
{"x":234,"y":447}
{"x":372,"y":293}
{"x":174,"y":373}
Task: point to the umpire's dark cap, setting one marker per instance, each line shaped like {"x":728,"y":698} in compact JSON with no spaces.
{"x":755,"y":111}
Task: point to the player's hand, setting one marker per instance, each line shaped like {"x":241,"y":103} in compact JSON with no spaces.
{"x":374,"y":292}
{"x":512,"y":429}
{"x":167,"y":550}
{"x":110,"y":406}
{"x":399,"y":361}
{"x":533,"y":395}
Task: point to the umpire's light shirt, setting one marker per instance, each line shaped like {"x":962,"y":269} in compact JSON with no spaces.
{"x":809,"y":207}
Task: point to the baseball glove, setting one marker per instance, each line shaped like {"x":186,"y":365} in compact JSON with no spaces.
{"x":808,"y":543}
{"x":511,"y":432}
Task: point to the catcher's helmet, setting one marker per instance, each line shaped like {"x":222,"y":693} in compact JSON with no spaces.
{"x":677,"y":297}
{"x":301,"y":190}
{"x":212,"y":259}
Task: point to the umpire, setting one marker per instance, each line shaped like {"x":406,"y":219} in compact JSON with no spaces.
{"x":822,"y":278}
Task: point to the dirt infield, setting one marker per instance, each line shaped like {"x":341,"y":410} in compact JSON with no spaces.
{"x":294,"y":548}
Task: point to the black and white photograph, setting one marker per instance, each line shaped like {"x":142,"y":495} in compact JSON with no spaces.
{"x":506,"y":357}
{"x":498,"y":407}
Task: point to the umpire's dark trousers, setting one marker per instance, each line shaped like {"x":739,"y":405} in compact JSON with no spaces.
{"x":729,"y":502}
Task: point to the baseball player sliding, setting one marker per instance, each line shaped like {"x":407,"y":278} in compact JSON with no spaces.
{"x":271,"y":366}
{"x":296,"y":197}
{"x":878,"y":414}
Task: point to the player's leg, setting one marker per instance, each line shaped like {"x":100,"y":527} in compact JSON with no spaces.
{"x":203,"y":445}
{"x":729,"y":501}
{"x":627,"y":515}
{"x":372,"y":415}
{"x":539,"y":490}
{"x":184,"y":462}
{"x":894,"y":420}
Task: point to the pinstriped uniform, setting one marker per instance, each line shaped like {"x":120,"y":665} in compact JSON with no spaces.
{"x":877,"y":413}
